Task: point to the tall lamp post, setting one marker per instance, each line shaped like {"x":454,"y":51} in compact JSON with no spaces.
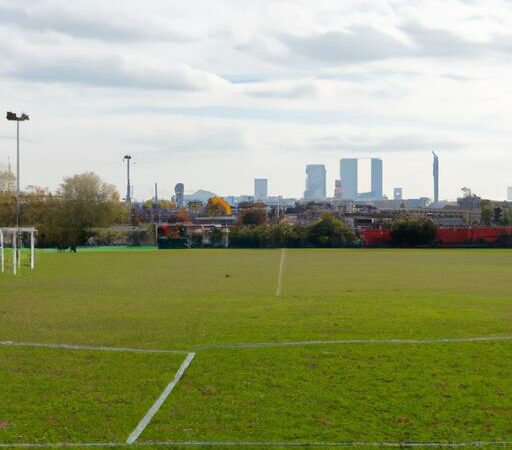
{"x":17,"y":119}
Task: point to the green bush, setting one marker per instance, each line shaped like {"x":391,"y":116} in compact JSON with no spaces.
{"x":327,"y":232}
{"x":413,"y":231}
{"x":330,"y":232}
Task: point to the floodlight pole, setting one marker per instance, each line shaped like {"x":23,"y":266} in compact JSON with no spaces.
{"x":17,"y":174}
{"x":17,"y":119}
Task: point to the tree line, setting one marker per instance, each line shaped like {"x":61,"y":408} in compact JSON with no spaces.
{"x":84,"y":202}
{"x":327,"y":231}
{"x":63,"y":218}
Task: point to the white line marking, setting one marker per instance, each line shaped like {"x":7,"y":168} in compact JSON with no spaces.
{"x":260,"y":344}
{"x":359,"y":341}
{"x":87,"y":347}
{"x":281,"y":270}
{"x":63,"y":445}
{"x":323,"y":444}
{"x":258,"y":444}
{"x":159,"y":402}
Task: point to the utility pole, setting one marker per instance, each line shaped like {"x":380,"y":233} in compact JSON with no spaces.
{"x":155,"y":207}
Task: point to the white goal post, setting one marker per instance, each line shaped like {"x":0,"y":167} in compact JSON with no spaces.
{"x":16,"y":233}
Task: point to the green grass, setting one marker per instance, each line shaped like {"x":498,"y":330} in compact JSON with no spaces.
{"x":193,"y":299}
{"x":449,"y":392}
{"x":72,"y":396}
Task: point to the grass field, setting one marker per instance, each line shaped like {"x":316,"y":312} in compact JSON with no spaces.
{"x":350,"y":351}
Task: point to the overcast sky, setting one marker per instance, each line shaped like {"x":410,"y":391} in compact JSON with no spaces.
{"x":214,"y":93}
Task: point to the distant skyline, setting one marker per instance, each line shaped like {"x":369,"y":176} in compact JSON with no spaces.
{"x":216,"y":93}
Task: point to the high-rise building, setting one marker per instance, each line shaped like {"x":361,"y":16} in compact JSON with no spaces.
{"x":377,"y":181}
{"x":349,"y":180}
{"x":179,"y":195}
{"x":348,"y":176}
{"x":436,"y":178}
{"x":398,"y":193}
{"x":509,"y":194}
{"x":260,"y":189}
{"x":315,"y":182}
{"x":337,"y":189}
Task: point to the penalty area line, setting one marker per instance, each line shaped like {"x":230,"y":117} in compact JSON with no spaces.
{"x":358,"y":341}
{"x":159,"y":402}
{"x":264,"y":444}
{"x":280,"y":274}
{"x":87,"y":347}
{"x":63,"y":445}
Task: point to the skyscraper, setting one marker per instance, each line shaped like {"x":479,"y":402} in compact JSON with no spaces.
{"x":260,"y":189}
{"x":397,"y":193}
{"x":377,"y":178}
{"x":337,"y":189}
{"x":348,"y":175}
{"x":436,"y":177}
{"x":315,"y":182}
{"x":509,"y":194}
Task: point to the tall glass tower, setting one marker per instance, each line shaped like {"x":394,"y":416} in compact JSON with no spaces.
{"x":260,"y":189}
{"x":376,"y":178}
{"x":315,"y":182}
{"x":348,"y":176}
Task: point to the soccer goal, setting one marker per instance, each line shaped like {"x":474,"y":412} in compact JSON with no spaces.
{"x":16,"y":238}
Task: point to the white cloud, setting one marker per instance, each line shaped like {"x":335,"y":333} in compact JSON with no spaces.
{"x":215,"y":92}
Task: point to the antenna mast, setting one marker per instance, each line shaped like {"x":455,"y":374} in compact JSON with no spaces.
{"x":128,"y":183}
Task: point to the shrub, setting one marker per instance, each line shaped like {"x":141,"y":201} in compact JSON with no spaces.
{"x":330,"y":232}
{"x":327,"y":232}
{"x":413,"y":231}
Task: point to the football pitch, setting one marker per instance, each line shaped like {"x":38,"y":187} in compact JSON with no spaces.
{"x":258,"y":348}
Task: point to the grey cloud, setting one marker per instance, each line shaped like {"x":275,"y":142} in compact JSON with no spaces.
{"x":110,"y":71}
{"x":399,"y":143}
{"x":364,"y":44}
{"x":439,"y":43}
{"x":455,"y":77}
{"x":287,"y":92}
{"x":202,"y":140}
{"x":116,"y":28}
{"x":502,"y":43}
{"x":360,"y":44}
